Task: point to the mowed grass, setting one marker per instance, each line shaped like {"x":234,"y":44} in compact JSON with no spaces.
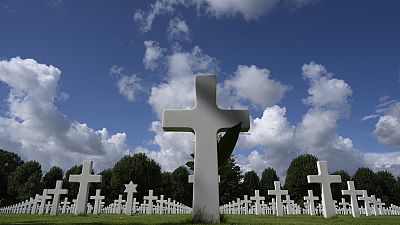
{"x":111,"y":219}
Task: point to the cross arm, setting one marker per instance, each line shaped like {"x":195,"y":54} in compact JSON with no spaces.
{"x":232,"y":117}
{"x":177,"y":120}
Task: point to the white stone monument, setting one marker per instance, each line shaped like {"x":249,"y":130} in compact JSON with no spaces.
{"x":278,"y":193}
{"x":43,"y":200}
{"x":129,"y":190}
{"x":325,"y":180}
{"x":56,"y":192}
{"x":205,"y":120}
{"x":97,"y":201}
{"x":161,"y":203}
{"x":84,"y":180}
{"x":150,"y":198}
{"x":257,"y":198}
{"x":310,"y":202}
{"x":351,"y":190}
{"x":367,"y":201}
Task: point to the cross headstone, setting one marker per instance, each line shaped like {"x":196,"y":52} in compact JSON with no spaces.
{"x":84,"y":180}
{"x":278,"y":192}
{"x":205,"y":120}
{"x":325,"y":180}
{"x":129,"y":189}
{"x":257,"y":198}
{"x":64,"y":204}
{"x":150,"y":198}
{"x":380,"y":205}
{"x":374,"y":206}
{"x":351,"y":190}
{"x":310,"y":202}
{"x":118,"y":204}
{"x":97,"y":201}
{"x":56,"y":192}
{"x":344,"y":205}
{"x":161,"y":202}
{"x":289,"y":205}
{"x":366,"y":200}
{"x":246,"y":203}
{"x":43,"y":200}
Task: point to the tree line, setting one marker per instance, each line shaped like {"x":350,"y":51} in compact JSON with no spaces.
{"x":20,"y":180}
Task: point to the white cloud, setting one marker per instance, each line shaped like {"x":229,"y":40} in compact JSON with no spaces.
{"x":34,"y":128}
{"x":254,"y":84}
{"x":152,"y":55}
{"x":128,"y":85}
{"x":178,"y":30}
{"x":387,"y":129}
{"x":249,"y":9}
{"x":384,"y":161}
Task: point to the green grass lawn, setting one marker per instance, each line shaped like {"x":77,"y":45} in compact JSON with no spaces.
{"x":185,"y":219}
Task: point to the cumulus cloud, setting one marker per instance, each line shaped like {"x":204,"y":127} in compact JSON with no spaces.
{"x":254,"y":84}
{"x":152,"y":55}
{"x":249,"y":10}
{"x":34,"y":128}
{"x":128,"y":85}
{"x":387,"y":129}
{"x":178,"y":30}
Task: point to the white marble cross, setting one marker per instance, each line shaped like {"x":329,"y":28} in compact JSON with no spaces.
{"x":351,"y":190}
{"x":205,"y":120}
{"x":257,"y":198}
{"x":84,"y":180}
{"x":325,"y":180}
{"x":374,"y":206}
{"x":97,"y":201}
{"x":380,"y":205}
{"x":56,"y":192}
{"x":246,"y":203}
{"x":161,"y":203}
{"x":129,"y":189}
{"x":118,"y":204}
{"x":310,"y":202}
{"x":150,"y":198}
{"x":366,"y":200}
{"x":64,"y":204}
{"x":289,"y":205}
{"x":278,"y":193}
{"x":43,"y":200}
{"x":344,"y":205}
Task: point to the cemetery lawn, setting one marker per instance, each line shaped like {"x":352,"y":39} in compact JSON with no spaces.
{"x":111,"y":219}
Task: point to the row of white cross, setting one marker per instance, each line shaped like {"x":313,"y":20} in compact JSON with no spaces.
{"x":40,"y":204}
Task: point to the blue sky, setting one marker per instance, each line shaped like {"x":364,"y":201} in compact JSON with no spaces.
{"x":355,"y":41}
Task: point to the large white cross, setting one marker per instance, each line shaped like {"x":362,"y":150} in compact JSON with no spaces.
{"x":56,"y":192}
{"x":257,"y":198}
{"x":351,"y":190}
{"x":310,"y":201}
{"x":278,"y":193}
{"x":43,"y":200}
{"x":150,"y":200}
{"x":205,"y":120}
{"x":325,"y":180}
{"x":129,"y":189}
{"x":84,"y":180}
{"x":97,"y":201}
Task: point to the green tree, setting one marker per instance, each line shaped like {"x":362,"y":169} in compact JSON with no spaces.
{"x":140,"y":169}
{"x":50,"y":178}
{"x":268,"y":177}
{"x":230,"y":185}
{"x":182,"y":191}
{"x":106,"y":187}
{"x":251,"y":182}
{"x":296,"y":178}
{"x":24,"y":182}
{"x":73,"y":187}
{"x":365,"y":179}
{"x":338,"y":187}
{"x":387,"y":187}
{"x":8,"y":163}
{"x":166,"y":184}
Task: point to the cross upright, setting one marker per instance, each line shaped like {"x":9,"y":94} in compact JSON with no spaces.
{"x":64,"y":204}
{"x":43,"y":200}
{"x":310,"y":201}
{"x":257,"y":198}
{"x":380,"y":205}
{"x":162,"y":201}
{"x":205,"y":120}
{"x":129,"y":189}
{"x":366,"y":200}
{"x":97,"y":201}
{"x":84,"y":180}
{"x":150,"y":198}
{"x":325,"y":180}
{"x":278,"y":193}
{"x":374,"y":206}
{"x":351,"y":190}
{"x":56,"y":192}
